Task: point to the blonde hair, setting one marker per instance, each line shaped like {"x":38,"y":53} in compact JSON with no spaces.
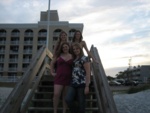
{"x":77,"y":45}
{"x":58,"y":44}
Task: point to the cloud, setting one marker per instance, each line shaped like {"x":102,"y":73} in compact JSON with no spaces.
{"x":16,"y":11}
{"x":114,"y":71}
{"x":119,"y":29}
{"x":7,"y":2}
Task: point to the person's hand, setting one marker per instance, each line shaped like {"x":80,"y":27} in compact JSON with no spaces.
{"x":53,"y":74}
{"x":86,"y":91}
{"x":96,"y":61}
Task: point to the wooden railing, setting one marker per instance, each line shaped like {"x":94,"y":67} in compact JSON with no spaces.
{"x":25,"y":87}
{"x":104,"y":95}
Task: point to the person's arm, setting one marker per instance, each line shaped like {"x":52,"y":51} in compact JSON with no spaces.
{"x":88,"y":52}
{"x":52,"y":69}
{"x":87,"y":77}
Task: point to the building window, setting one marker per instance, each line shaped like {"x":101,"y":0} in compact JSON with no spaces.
{"x":71,"y":34}
{"x":28,"y":33}
{"x":15,"y":33}
{"x":42,"y":33}
{"x":56,"y":34}
{"x":14,"y":49}
{"x":2,"y":33}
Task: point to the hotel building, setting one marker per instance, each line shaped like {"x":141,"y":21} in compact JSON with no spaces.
{"x":19,"y":42}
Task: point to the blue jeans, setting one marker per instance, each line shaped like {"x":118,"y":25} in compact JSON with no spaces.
{"x":75,"y":99}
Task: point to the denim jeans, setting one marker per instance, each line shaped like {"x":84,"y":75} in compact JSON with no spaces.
{"x":75,"y":99}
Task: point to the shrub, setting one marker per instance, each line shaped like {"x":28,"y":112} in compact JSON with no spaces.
{"x":138,"y":88}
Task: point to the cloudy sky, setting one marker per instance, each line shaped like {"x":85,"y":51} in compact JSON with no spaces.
{"x":119,"y":29}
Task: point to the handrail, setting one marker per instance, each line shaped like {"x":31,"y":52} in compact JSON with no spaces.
{"x":105,"y":97}
{"x":34,"y":87}
{"x":16,"y":97}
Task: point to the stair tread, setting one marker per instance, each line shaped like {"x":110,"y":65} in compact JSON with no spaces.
{"x":39,"y":92}
{"x":45,"y":86}
{"x":51,"y":108}
{"x":52,"y":92}
{"x":42,"y":101}
{"x":51,"y":99}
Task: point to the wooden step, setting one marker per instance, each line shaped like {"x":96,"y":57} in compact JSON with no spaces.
{"x":49,"y":102}
{"x":42,"y":101}
{"x":50,"y":109}
{"x":43,"y":95}
{"x":43,"y":88}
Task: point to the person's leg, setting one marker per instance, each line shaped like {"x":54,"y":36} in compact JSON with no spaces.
{"x":69,"y":98}
{"x":81,"y":99}
{"x":63,"y":98}
{"x":57,"y":92}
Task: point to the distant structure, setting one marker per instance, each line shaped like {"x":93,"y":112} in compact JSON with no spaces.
{"x":19,"y":43}
{"x":141,"y":73}
{"x":130,"y":61}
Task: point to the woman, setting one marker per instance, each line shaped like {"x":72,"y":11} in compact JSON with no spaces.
{"x":62,"y":74}
{"x":80,"y":81}
{"x":78,"y":38}
{"x":62,"y":38}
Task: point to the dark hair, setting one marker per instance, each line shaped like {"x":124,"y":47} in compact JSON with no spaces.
{"x":74,"y":37}
{"x":78,"y":46}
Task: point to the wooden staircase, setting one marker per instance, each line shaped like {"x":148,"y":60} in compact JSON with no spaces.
{"x":34,"y":91}
{"x":42,"y":101}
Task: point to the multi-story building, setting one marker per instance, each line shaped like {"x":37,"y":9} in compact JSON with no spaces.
{"x":141,"y":73}
{"x":20,"y":42}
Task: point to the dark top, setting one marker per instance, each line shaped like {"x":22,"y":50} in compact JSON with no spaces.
{"x":63,"y":72}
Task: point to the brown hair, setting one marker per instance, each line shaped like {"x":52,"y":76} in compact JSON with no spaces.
{"x":61,"y":48}
{"x":74,"y":37}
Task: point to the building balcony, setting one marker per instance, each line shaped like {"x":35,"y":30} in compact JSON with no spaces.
{"x":15,"y":42}
{"x":28,"y":42}
{"x":2,"y":34}
{"x":42,"y":34}
{"x":28,"y":34}
{"x":41,"y":42}
{"x":71,"y":34}
{"x":13,"y":51}
{"x":26,"y":60}
{"x":56,"y":34}
{"x":2,"y":51}
{"x":2,"y":60}
{"x":12,"y":78}
{"x":13,"y":60}
{"x":15,"y":34}
{"x":12,"y":69}
{"x":27,"y":51}
{"x":2,"y":42}
{"x":1,"y":69}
